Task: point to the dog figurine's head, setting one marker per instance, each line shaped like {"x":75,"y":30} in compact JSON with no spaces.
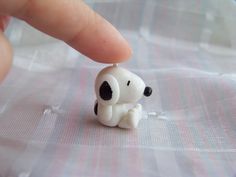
{"x":116,"y":85}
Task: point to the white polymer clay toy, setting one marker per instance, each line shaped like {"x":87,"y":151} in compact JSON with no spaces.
{"x":117,"y":91}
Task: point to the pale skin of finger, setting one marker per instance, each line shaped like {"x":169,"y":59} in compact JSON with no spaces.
{"x":69,"y":20}
{"x":75,"y":23}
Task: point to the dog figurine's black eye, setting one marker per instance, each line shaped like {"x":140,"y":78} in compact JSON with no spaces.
{"x":128,"y":83}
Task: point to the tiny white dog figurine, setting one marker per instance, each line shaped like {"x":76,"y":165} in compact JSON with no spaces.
{"x":117,"y":89}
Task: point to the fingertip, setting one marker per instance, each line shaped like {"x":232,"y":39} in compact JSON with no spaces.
{"x":118,"y":52}
{"x":102,"y":42}
{"x":79,"y":26}
{"x":117,"y":47}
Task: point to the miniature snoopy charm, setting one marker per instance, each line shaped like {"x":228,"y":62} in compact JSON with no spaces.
{"x":117,"y":91}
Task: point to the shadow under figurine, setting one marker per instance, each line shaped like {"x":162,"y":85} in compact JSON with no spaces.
{"x":117,"y":91}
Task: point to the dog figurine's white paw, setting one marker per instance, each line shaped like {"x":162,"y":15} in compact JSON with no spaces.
{"x":116,"y":89}
{"x":132,"y":118}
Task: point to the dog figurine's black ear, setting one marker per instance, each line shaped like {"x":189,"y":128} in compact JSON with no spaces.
{"x":96,"y":108}
{"x":107,"y":89}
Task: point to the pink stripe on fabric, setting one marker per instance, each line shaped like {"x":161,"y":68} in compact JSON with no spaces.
{"x":82,"y":154}
{"x":231,"y":92}
{"x":182,"y":126}
{"x":227,"y":135}
{"x":187,"y":132}
{"x":57,"y":168}
{"x":206,"y":140}
{"x":139,"y":163}
{"x":204,"y":66}
{"x":195,"y":155}
{"x":222,"y":124}
{"x":135,"y":156}
{"x":114,"y":163}
{"x":96,"y":162}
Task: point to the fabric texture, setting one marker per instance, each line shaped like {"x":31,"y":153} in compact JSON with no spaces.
{"x":48,"y":127}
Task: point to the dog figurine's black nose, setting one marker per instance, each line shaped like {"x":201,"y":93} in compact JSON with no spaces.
{"x":147,"y":91}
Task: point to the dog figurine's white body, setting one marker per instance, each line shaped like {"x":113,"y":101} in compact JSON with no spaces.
{"x":116,"y":90}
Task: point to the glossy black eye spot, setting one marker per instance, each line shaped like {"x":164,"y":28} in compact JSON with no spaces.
{"x":128,"y":83}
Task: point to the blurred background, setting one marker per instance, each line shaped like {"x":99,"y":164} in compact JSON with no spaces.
{"x":184,"y":49}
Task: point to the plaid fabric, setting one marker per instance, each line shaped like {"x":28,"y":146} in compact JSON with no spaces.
{"x":48,"y":129}
{"x":47,"y":124}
